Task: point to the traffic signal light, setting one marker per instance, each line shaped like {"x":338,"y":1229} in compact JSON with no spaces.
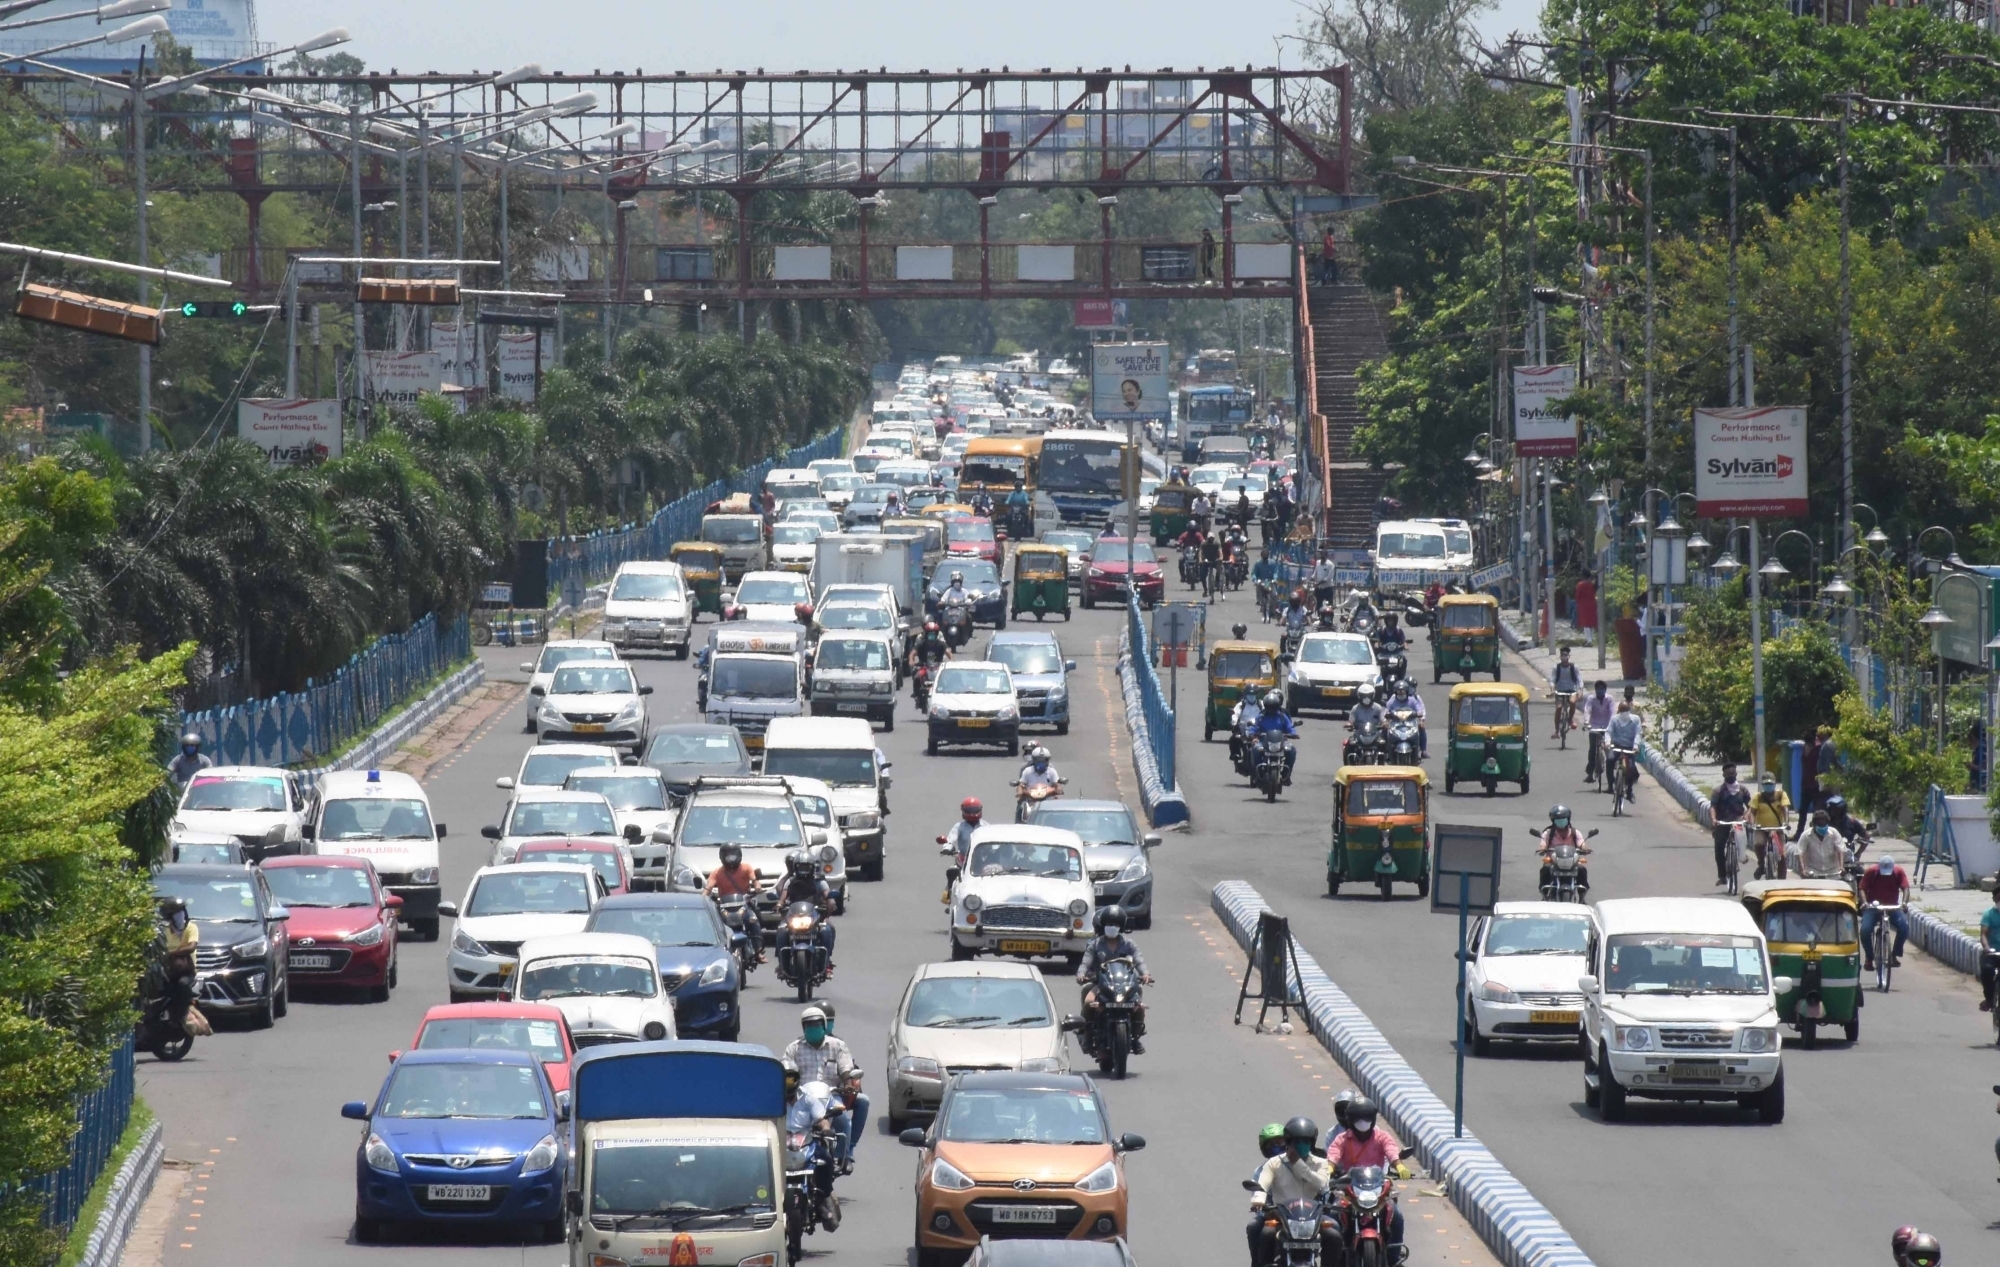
{"x":215,"y":308}
{"x":78,"y":311}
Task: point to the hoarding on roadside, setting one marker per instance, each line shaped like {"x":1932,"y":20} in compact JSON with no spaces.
{"x":291,"y":432}
{"x":1750,"y":462}
{"x":396,"y":379}
{"x":517,"y":361}
{"x":1539,"y":431}
{"x":457,"y":349}
{"x":1129,"y":381}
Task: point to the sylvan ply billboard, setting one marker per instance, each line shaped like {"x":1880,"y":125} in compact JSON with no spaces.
{"x":1750,"y":461}
{"x":291,"y":432}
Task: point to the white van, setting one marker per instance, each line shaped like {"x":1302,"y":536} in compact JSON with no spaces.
{"x":1681,"y":1005}
{"x":1407,"y":544}
{"x":840,"y":752}
{"x":384,"y":816}
{"x":648,"y":606}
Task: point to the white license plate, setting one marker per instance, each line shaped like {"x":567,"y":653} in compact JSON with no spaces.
{"x":1680,"y":1072}
{"x":856,"y":707}
{"x":1024,"y":1214}
{"x":306,"y":960}
{"x":461,"y":1192}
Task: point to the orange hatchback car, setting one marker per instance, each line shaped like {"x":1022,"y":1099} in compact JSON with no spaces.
{"x":1018,"y":1155}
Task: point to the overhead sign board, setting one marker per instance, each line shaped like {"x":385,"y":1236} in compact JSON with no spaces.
{"x":1539,"y":431}
{"x":1750,"y":462}
{"x":291,"y":432}
{"x":1128,"y":381}
{"x":1099,"y":314}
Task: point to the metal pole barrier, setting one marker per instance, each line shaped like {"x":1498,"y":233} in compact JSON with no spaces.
{"x":1458,"y":1094}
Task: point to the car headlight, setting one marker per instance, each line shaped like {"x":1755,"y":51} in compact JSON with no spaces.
{"x":881,"y":688}
{"x":466,"y":945}
{"x":920,"y":1067}
{"x":1762,"y":1039}
{"x":369,"y":936}
{"x":551,"y":713}
{"x":1493,"y":993}
{"x":1079,"y":908}
{"x":940,"y":713}
{"x":424,"y":875}
{"x":631,"y":710}
{"x":1007,"y":712}
{"x":1058,"y":694}
{"x":1102,"y":1179}
{"x":715,"y":974}
{"x":255,"y":948}
{"x":973,"y":902}
{"x":1634,"y":1037}
{"x":865,"y":820}
{"x":379,"y":1156}
{"x":541,"y":1156}
{"x":947,"y":1176}
{"x":1043,"y":1064}
{"x":1135,"y":869}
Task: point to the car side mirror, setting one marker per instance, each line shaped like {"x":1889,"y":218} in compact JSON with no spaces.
{"x":645,"y":690}
{"x":536,"y":690}
{"x":490,"y":832}
{"x":1130,"y":1143}
{"x":1069,"y":666}
{"x":912,"y":1137}
{"x":816,"y":838}
{"x":505,"y":783}
{"x":448,"y":909}
{"x":573,"y":1202}
{"x":1072,"y":1025}
{"x":527,"y":666}
{"x":354,"y":1109}
{"x":440,"y":830}
{"x":393,"y":901}
{"x":393,"y":1056}
{"x":661,"y":836}
{"x":633,"y":834}
{"x":1149,"y":841}
{"x":308,"y":832}
{"x":737,"y":940}
{"x":1587,"y":984}
{"x":562,"y":1106}
{"x":1783,"y":985}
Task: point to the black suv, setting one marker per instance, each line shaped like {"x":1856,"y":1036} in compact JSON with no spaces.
{"x":240,"y":960}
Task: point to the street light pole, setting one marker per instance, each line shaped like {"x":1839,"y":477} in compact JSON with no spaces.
{"x":360,"y":329}
{"x":145,"y":288}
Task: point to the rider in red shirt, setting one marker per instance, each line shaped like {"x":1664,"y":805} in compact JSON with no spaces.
{"x":1361,"y":1144}
{"x":1887,"y":884}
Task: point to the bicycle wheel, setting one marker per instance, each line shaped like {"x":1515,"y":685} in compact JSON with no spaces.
{"x":1882,"y":944}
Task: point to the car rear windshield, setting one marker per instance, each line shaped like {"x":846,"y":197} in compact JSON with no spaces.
{"x":217,"y":899}
{"x":456,"y":1091}
{"x":507,"y":1033}
{"x":512,"y":892}
{"x":1538,"y":935}
{"x":375,"y":818}
{"x":836,"y":767}
{"x":320,"y":886}
{"x":661,"y":925}
{"x":604,"y":863}
{"x":646,"y":587}
{"x":851,"y":654}
{"x":1684,"y":963}
{"x":587,"y":977}
{"x":561,"y":818}
{"x":552,"y":769}
{"x":740,"y":824}
{"x":794,"y":534}
{"x":853,"y":616}
{"x":1096,"y":826}
{"x":731,"y":531}
{"x":624,"y":791}
{"x":1027,"y":657}
{"x":969,"y":530}
{"x":241,"y":794}
{"x":684,"y":748}
{"x":978,"y":1003}
{"x":1023,"y":1115}
{"x":737,"y":678}
{"x":773,"y":589}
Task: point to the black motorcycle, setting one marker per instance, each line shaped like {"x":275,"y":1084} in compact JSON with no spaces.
{"x":810,"y":1153}
{"x":801,"y":956}
{"x":1363,"y":621}
{"x":1364,"y":746}
{"x":739,"y":915}
{"x":1300,"y":1226}
{"x":1405,"y":737}
{"x":955,"y":619}
{"x":1106,"y":1031}
{"x":158,"y":1030}
{"x":1267,"y":769}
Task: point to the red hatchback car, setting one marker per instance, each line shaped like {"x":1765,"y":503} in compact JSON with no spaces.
{"x":1104,"y":579}
{"x":972,"y":537}
{"x":607,"y":858}
{"x":530,"y":1027}
{"x":343,"y":923}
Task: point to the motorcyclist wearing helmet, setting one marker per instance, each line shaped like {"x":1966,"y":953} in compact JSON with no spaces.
{"x":930,"y":648}
{"x":820,"y":1057}
{"x":179,"y":937}
{"x":1272,"y":720}
{"x":1270,"y":1143}
{"x":957,"y":839}
{"x":1248,"y":708}
{"x":955,"y":592}
{"x":1112,"y":943}
{"x":190,"y":762}
{"x":804,"y":883}
{"x":1921,"y":1249}
{"x":1297,"y":1174}
{"x":1390,"y":638}
{"x":1562,"y":832}
{"x":1838,"y":817}
{"x":1039,"y":772}
{"x":1403,"y":695}
{"x":1362,"y":1144}
{"x":1296,"y":616}
{"x":735,"y":878}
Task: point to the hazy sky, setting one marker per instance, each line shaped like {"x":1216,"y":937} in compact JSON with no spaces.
{"x":579,"y":36}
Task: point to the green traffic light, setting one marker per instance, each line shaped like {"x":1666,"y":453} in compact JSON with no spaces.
{"x":190,"y":309}
{"x":239,"y":308}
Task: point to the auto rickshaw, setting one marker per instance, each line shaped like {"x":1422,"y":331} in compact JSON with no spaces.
{"x":1813,"y":928}
{"x":1487,"y":735}
{"x":1381,"y":828}
{"x":1169,"y":516}
{"x":1041,"y":581}
{"x":1465,"y":636}
{"x":701,"y":566}
{"x":942,"y":511}
{"x":1233,"y":668}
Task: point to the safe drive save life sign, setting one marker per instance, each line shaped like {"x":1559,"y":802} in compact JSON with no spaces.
{"x":1750,"y":461}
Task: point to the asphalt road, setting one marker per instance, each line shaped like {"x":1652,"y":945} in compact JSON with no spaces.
{"x":260,"y":1110}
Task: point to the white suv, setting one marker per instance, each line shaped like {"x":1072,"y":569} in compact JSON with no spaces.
{"x":648,"y":606}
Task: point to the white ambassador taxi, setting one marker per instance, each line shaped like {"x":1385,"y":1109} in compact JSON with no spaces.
{"x":606,"y":985}
{"x":1022,"y":891}
{"x":1521,"y":983}
{"x":505,"y":906}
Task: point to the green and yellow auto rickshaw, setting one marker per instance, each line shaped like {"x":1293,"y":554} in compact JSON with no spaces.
{"x":1041,"y":581}
{"x":1233,"y":668}
{"x":1813,"y":928}
{"x":701,"y":567}
{"x":1487,"y":735}
{"x":1169,"y":517}
{"x":1381,"y":828}
{"x":1465,"y":636}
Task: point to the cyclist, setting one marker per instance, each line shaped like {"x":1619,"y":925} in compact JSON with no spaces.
{"x":1265,"y":573}
{"x":1211,"y":565}
{"x":1884,"y":884}
{"x":1622,"y":737}
{"x":1770,"y":810}
{"x":1597,"y":713}
{"x":1568,"y":684}
{"x":1728,"y":804}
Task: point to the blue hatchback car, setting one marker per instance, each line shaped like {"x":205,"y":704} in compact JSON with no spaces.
{"x":696,"y":951}
{"x":462,"y":1137}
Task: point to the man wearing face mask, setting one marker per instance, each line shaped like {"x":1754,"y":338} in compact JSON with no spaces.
{"x":821,"y":1057}
{"x":1770,"y":811}
{"x":1111,"y":943}
{"x":191,"y":761}
{"x":1361,"y":1144}
{"x":1820,"y":854}
{"x":182,"y":935}
{"x":1296,"y":1174}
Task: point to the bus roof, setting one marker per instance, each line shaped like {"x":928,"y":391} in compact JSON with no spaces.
{"x":1218,"y":389}
{"x":1077,"y":433}
{"x":1004,"y":446}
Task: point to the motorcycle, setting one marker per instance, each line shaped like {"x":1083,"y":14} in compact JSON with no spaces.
{"x":1566,"y":881}
{"x":1405,"y":742}
{"x":801,"y":956}
{"x":920,"y":684}
{"x":737,"y":914}
{"x":1300,"y":1225}
{"x":1288,"y":649}
{"x":1367,"y":1211}
{"x":1363,"y":621}
{"x":1328,"y":618}
{"x":157,"y":1030}
{"x":1242,"y":743}
{"x":955,"y":619}
{"x":1028,"y":797}
{"x":811,"y":1151}
{"x":1364,"y":746}
{"x":1191,"y":568}
{"x":1395,"y":665}
{"x":1267,"y":771}
{"x":1106,"y":1031}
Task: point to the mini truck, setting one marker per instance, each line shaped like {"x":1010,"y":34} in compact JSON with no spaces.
{"x":679,"y":1157}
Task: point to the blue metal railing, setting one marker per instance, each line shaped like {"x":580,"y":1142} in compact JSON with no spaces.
{"x":101,"y":1116}
{"x":1159,"y":716}
{"x":301,"y":726}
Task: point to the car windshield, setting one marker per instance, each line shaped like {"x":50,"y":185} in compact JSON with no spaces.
{"x":842,"y":481}
{"x":661,"y":925}
{"x":554,"y":657}
{"x":853,"y":616}
{"x":240,"y":794}
{"x":680,"y":747}
{"x":225,"y":855}
{"x":836,"y":767}
{"x":552,"y":769}
{"x":1411,"y":545}
{"x":583,"y":975}
{"x":561,"y":818}
{"x":1095,"y":826}
{"x":1023,"y":1115}
{"x":874,"y":494}
{"x":507,"y":1033}
{"x":974,"y":530}
{"x":376,"y":818}
{"x":512,"y":892}
{"x":219,"y":899}
{"x":814,"y":811}
{"x":1537,"y":935}
{"x":1336,"y":651}
{"x":674,"y":1180}
{"x":646,"y":586}
{"x":760,"y":825}
{"x":977,"y":572}
{"x":773,"y":589}
{"x":1074,"y":542}
{"x":852,"y":654}
{"x":624,"y":791}
{"x":488,"y":1091}
{"x":1376,"y":796}
{"x":1458,"y":540}
{"x":1240,"y":664}
{"x":978,"y":1003}
{"x":1007,"y":857}
{"x":731,"y":531}
{"x":740,"y":677}
{"x":1489,"y":710}
{"x":1027,"y":657}
{"x":1684,"y":963}
{"x":1111,"y":550}
{"x":320,"y":886}
{"x":794,"y":535}
{"x":958,"y":681}
{"x":1805,"y":924}
{"x":603,"y":861}
{"x":592,"y":679}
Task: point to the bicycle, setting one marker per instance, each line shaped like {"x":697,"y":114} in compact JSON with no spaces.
{"x":1618,"y":769}
{"x":1211,"y":581}
{"x":1565,"y":716}
{"x":1732,"y":857}
{"x":1882,"y":941}
{"x":1593,"y":768}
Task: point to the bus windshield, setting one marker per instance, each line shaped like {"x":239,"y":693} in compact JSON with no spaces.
{"x":1081,"y":464}
{"x":997,"y":469}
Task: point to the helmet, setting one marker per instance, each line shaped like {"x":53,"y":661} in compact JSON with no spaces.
{"x":813,"y":1015}
{"x":1342,"y":1102}
{"x":190,"y":740}
{"x":1302,"y":1128}
{"x":1899,"y":1241}
{"x":1924,"y":1251}
{"x":1836,"y":804}
{"x":1365,"y":693}
{"x":1239,"y":631}
{"x":1559,"y":816}
{"x":732,"y":853}
{"x":1271,"y":1139}
{"x":1361,"y":1113}
{"x":970,"y":807}
{"x":1298,"y":596}
{"x":930,"y":626}
{"x":1273,"y":700}
{"x":1040,"y":757}
{"x":169,"y":906}
{"x":958,"y":578}
{"x":1112,"y":916}
{"x":798,"y":860}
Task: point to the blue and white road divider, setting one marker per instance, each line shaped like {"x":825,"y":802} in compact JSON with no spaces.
{"x":1163,"y":802}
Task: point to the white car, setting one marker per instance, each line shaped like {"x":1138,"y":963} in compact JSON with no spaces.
{"x":505,"y":906}
{"x":838,"y":488}
{"x":261,"y":806}
{"x":554,"y":655}
{"x":768,"y":596}
{"x":596,"y":703}
{"x":824,"y":467}
{"x":550,"y":814}
{"x":758,"y":816}
{"x":1328,"y":669}
{"x":974,"y":702}
{"x":794,"y":543}
{"x":1521,"y":983}
{"x":1210,"y":479}
{"x":606,"y":985}
{"x":955,"y":1017}
{"x":814,"y":801}
{"x":637,"y":795}
{"x":1023,"y":891}
{"x":550,"y":765}
{"x":648,"y":606}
